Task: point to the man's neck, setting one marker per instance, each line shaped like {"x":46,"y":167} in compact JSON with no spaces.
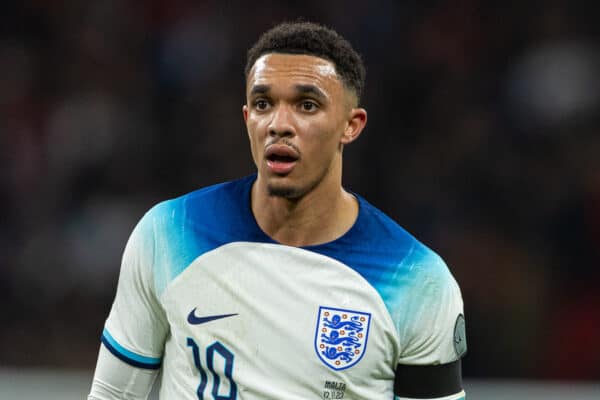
{"x":322,"y":215}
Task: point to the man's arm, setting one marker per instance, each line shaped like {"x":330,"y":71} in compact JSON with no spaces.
{"x":116,"y":380}
{"x":433,"y":334}
{"x":136,"y":328}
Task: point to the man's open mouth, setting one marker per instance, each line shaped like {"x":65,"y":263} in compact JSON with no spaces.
{"x":281,"y":159}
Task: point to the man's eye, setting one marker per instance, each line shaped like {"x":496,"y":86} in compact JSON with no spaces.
{"x":261,"y":104}
{"x":308,"y":106}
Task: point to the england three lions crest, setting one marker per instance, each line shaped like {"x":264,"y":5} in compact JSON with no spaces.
{"x":341,"y":336}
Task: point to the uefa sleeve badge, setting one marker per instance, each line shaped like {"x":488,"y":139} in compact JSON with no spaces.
{"x":341,"y":336}
{"x":460,"y":337}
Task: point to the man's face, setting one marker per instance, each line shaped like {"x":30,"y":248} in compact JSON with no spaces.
{"x":297,"y":114}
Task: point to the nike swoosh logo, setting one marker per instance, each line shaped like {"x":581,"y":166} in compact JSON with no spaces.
{"x":192,"y":319}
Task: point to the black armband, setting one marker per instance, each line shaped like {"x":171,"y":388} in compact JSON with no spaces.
{"x":428,"y":381}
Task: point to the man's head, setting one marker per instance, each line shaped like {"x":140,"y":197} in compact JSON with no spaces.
{"x":315,"y":40}
{"x":302,"y":87}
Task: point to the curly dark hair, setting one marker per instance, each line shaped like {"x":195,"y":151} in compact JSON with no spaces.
{"x":315,"y":40}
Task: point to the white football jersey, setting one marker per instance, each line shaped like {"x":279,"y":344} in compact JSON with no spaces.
{"x":228,"y":313}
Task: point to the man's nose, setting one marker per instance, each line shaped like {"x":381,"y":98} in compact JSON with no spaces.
{"x":282,"y":123}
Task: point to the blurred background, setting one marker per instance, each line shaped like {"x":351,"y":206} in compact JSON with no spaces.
{"x":483,"y":140}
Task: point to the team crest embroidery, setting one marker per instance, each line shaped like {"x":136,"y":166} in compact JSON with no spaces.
{"x":341,"y":336}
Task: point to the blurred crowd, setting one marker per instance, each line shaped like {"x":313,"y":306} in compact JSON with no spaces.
{"x":483,"y":140}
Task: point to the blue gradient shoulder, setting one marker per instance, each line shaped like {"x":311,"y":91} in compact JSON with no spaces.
{"x":190,"y":225}
{"x":392,"y":260}
{"x":414,"y":282}
{"x":415,"y":256}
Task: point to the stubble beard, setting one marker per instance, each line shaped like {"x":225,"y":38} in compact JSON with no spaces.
{"x":291,"y":192}
{"x":286,"y":192}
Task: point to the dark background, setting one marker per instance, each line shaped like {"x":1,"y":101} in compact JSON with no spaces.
{"x":483,"y":141}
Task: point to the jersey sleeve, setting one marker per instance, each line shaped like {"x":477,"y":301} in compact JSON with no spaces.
{"x":432,"y":335}
{"x":115,"y":380}
{"x":136,"y":327}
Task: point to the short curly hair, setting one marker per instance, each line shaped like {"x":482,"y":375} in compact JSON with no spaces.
{"x":315,"y":40}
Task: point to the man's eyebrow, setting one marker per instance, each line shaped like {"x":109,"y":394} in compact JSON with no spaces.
{"x":311,"y":89}
{"x":259,"y":89}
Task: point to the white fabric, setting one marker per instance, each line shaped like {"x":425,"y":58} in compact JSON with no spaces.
{"x":116,"y":380}
{"x":137,"y":321}
{"x":258,"y":280}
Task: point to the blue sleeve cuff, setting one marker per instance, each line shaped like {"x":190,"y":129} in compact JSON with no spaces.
{"x":127,"y":356}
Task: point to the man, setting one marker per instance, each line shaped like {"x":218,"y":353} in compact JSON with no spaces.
{"x":282,"y":285}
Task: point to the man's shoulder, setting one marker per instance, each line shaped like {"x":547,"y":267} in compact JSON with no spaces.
{"x":395,"y":241}
{"x":215,"y":208}
{"x":205,"y":200}
{"x":181,"y":229}
{"x":407,"y":274}
{"x":384,"y":228}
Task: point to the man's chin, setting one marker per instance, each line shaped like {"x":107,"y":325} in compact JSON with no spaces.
{"x":285,"y":191}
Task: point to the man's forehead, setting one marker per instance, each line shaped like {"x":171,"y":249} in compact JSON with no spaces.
{"x":299,"y":65}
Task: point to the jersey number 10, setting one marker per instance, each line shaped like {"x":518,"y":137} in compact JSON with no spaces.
{"x":227,"y":356}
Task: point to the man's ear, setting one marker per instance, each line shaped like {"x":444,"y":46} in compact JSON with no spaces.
{"x":356,"y":123}
{"x":245,"y":112}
